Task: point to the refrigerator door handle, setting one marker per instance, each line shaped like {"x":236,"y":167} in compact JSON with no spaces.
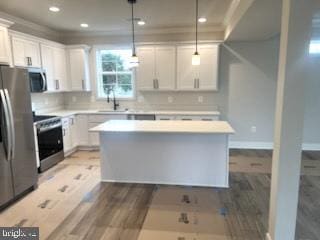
{"x":13,"y":132}
{"x":8,"y":128}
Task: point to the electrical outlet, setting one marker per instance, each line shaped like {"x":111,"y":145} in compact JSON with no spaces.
{"x":74,"y":98}
{"x":200,"y":99}
{"x":170,"y":99}
{"x":253,"y":129}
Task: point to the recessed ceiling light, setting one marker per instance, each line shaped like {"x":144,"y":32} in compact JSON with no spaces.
{"x":141,"y":22}
{"x":54,"y":9}
{"x":84,"y":25}
{"x":202,"y":20}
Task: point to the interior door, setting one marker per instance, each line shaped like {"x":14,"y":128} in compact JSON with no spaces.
{"x":6,"y":184}
{"x":16,"y":85}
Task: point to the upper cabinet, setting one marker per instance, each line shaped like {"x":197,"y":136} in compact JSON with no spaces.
{"x":156,"y":69}
{"x":5,"y":49}
{"x":26,"y":53}
{"x":54,"y":64}
{"x":202,"y":77}
{"x":78,"y":66}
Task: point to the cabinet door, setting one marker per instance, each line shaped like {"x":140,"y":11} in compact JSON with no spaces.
{"x":60,"y":70}
{"x":66,"y":135}
{"x":48,"y":66}
{"x":186,"y":72}
{"x":32,"y":51}
{"x":94,"y":136}
{"x":145,"y":73}
{"x":165,"y":66}
{"x":208,"y":69}
{"x":77,"y":69}
{"x":19,"y":58}
{"x":83,"y":130}
{"x":74,"y":131}
{"x":4,"y":46}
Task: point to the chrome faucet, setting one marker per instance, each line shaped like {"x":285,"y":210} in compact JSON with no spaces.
{"x":115,"y":104}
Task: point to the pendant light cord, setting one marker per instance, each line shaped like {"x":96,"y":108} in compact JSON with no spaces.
{"x":133,"y":40}
{"x":197,"y":6}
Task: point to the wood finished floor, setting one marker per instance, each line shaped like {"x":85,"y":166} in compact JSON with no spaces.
{"x":71,"y":203}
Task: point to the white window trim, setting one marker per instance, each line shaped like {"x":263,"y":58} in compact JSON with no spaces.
{"x":97,"y":71}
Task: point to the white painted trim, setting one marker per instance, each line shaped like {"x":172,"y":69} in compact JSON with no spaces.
{"x":5,"y":23}
{"x":269,"y":145}
{"x":268,"y":237}
{"x":251,"y":145}
{"x":162,"y":183}
{"x":29,"y":37}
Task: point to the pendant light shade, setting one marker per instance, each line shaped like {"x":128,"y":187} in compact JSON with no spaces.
{"x":134,"y":61}
{"x":196,"y":55}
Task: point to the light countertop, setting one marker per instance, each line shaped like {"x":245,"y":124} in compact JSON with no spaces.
{"x":217,"y":127}
{"x":66,"y":113}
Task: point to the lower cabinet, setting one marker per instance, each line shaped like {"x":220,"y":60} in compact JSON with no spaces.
{"x":188,"y":117}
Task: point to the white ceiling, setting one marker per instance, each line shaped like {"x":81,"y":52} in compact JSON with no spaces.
{"x":261,"y":21}
{"x":111,"y":15}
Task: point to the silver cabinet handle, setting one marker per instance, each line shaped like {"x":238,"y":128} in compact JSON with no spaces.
{"x":195,"y":83}
{"x":83,"y":86}
{"x":154,"y":84}
{"x":157,"y":83}
{"x":57,"y":84}
{"x":8,"y":129}
{"x":13,"y":132}
{"x":64,"y":132}
{"x":198,"y":83}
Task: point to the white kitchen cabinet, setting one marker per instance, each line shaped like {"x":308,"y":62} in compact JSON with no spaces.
{"x":54,"y":64}
{"x":78,"y":66}
{"x":95,"y":120}
{"x":47,"y":65}
{"x":82,"y":129}
{"x":165,"y":117}
{"x":188,"y":117}
{"x":60,"y":69}
{"x":74,"y":132}
{"x":26,"y":53}
{"x":157,"y":67}
{"x":203,"y":76}
{"x":5,"y":49}
{"x":66,"y":132}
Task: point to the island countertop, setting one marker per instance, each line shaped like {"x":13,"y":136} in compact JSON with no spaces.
{"x":209,"y":127}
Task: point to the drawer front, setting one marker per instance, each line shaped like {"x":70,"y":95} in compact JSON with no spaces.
{"x":100,"y":118}
{"x":165,"y":117}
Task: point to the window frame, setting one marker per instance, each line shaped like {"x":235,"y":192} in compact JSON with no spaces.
{"x":99,"y":73}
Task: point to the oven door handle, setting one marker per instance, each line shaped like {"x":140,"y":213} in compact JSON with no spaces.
{"x":8,"y":129}
{"x":48,"y":129}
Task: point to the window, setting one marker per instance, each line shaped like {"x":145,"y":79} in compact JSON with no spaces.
{"x":114,"y":73}
{"x":314,"y":47}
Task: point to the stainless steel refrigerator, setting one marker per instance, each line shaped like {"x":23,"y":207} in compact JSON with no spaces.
{"x":18,"y":170}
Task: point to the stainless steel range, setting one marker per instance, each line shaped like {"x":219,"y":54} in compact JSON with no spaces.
{"x":49,"y":141}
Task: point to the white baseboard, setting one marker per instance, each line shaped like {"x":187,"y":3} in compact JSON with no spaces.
{"x":269,"y":145}
{"x":268,"y":237}
{"x":251,"y":145}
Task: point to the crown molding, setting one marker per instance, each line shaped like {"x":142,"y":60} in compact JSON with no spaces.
{"x":145,"y":31}
{"x":5,"y":23}
{"x":28,"y":24}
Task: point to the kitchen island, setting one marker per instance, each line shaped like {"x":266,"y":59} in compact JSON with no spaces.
{"x":193,"y":153}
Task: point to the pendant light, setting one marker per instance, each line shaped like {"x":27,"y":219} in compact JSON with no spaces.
{"x":134,"y":61}
{"x":196,"y":55}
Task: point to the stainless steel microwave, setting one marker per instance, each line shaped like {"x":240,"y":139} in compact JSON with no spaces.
{"x":38,"y":81}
